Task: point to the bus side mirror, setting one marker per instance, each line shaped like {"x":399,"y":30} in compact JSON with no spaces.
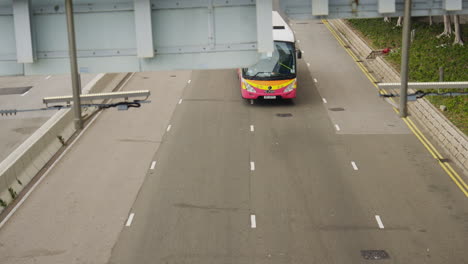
{"x":299,"y":54}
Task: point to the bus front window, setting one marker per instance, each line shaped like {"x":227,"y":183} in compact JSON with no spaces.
{"x":281,"y":65}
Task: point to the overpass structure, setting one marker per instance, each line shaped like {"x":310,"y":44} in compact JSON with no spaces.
{"x":148,"y":35}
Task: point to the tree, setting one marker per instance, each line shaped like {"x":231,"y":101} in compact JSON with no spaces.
{"x":456,"y":23}
{"x":399,"y":21}
{"x":447,"y":27}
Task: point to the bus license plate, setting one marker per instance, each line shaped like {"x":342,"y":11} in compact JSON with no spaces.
{"x":269,"y":97}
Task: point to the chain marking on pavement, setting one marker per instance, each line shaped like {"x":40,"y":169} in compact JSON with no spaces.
{"x":130,"y":219}
{"x":168,"y":128}
{"x":337,"y":127}
{"x":354,"y":165}
{"x":189,"y":81}
{"x":315,"y":80}
{"x":48,"y":77}
{"x":308,"y":64}
{"x":252,"y":128}
{"x":379,"y":222}
{"x":253,"y":221}
{"x":180,"y":101}
{"x":324,"y":100}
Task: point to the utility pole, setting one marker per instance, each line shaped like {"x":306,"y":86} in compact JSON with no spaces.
{"x":405,"y":59}
{"x":75,"y":77}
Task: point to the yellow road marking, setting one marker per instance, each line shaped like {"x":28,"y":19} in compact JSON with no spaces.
{"x":411,"y":125}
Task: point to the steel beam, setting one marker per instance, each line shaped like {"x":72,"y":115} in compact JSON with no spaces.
{"x":425,"y":85}
{"x":143,"y":29}
{"x":23,"y":33}
{"x":387,"y":6}
{"x":264,"y":26}
{"x":76,"y":84}
{"x":319,"y":7}
{"x":453,"y":5}
{"x":97,"y":96}
{"x":405,"y":49}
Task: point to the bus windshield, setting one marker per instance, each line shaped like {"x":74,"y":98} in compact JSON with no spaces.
{"x":281,"y":65}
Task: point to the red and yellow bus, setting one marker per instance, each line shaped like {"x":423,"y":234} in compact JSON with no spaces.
{"x":274,"y":76}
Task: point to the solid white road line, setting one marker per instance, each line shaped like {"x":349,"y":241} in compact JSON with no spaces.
{"x":252,"y":166}
{"x":252,"y":128}
{"x":379,"y":222}
{"x":168,"y":128}
{"x":324,"y":100}
{"x":189,"y":81}
{"x":315,"y":80}
{"x":354,"y":165}
{"x":337,"y":127}
{"x":308,"y":64}
{"x":48,"y":77}
{"x":253,"y":221}
{"x":17,"y":206}
{"x":180,"y":101}
{"x":25,"y":93}
{"x":153,"y":165}
{"x":130,"y":219}
{"x":298,"y":41}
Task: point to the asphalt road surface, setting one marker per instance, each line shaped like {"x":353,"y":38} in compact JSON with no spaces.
{"x":294,"y":181}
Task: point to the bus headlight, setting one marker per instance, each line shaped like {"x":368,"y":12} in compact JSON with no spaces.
{"x":290,"y":87}
{"x":250,"y":88}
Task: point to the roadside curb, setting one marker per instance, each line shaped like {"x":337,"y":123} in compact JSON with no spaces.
{"x":452,"y":140}
{"x":22,"y":165}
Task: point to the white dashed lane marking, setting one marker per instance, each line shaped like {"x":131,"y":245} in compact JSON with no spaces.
{"x":252,"y":166}
{"x":379,"y":222}
{"x":253,"y":221}
{"x":130,"y":219}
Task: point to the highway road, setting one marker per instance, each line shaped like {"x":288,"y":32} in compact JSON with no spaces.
{"x":202,"y":176}
{"x":299,"y":181}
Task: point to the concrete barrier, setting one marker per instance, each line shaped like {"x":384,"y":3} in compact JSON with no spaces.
{"x":22,"y":165}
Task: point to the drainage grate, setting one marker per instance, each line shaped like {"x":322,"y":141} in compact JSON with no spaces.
{"x":374,"y":254}
{"x":284,"y":115}
{"x":14,"y":90}
{"x":336,"y":109}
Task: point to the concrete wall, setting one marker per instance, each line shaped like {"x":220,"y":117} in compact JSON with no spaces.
{"x":22,"y":165}
{"x":454,"y":142}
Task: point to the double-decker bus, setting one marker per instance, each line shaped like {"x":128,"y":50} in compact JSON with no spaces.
{"x":275,"y":75}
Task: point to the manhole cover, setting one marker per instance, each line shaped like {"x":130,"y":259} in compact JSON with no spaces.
{"x":284,"y":115}
{"x":336,"y":109}
{"x":14,"y":90}
{"x":374,"y":254}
